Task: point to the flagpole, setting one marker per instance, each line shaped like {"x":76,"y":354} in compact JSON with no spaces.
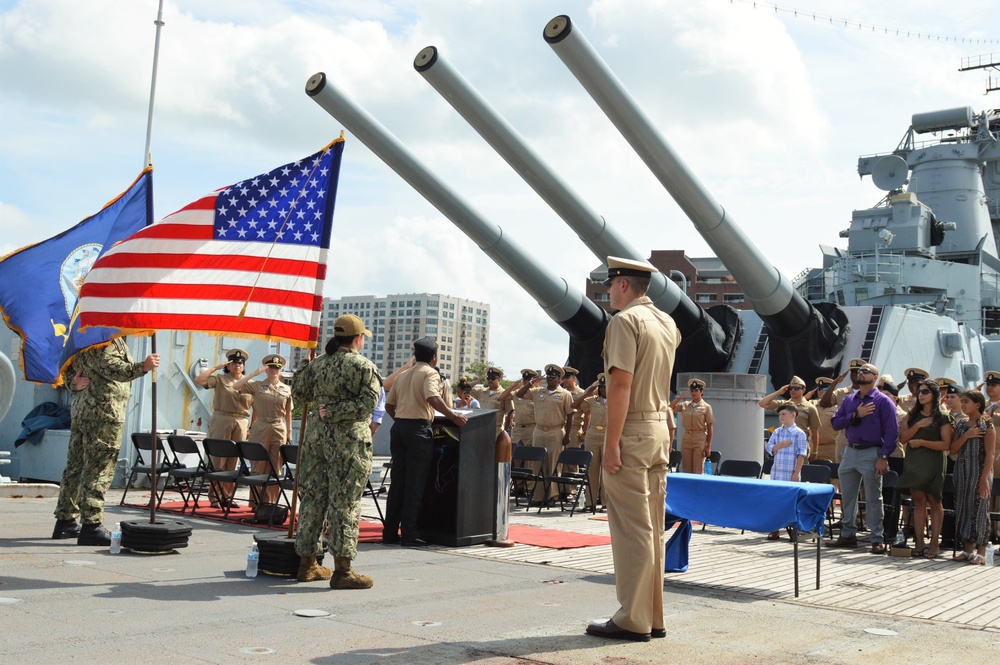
{"x":148,"y":161}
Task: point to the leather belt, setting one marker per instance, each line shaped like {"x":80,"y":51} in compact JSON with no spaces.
{"x":646,"y":416}
{"x":862,"y":446}
{"x":548,"y":428}
{"x":234,"y":415}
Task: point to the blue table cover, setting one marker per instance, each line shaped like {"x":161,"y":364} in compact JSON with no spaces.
{"x":748,"y":503}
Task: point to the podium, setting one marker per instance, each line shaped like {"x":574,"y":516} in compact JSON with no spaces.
{"x":459,"y":498}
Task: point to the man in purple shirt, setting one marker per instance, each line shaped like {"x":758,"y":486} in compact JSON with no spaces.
{"x":869,"y":417}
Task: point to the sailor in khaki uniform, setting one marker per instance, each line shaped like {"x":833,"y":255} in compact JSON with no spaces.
{"x":699,"y":423}
{"x":524,"y":412}
{"x":231,"y":412}
{"x":827,"y":446}
{"x":807,"y":416}
{"x":593,"y":404}
{"x":992,"y":389}
{"x":834,"y":397}
{"x":571,"y":383}
{"x":493,"y":396}
{"x":553,"y":415}
{"x":914,"y":376}
{"x":272,"y":415}
{"x":639,"y":348}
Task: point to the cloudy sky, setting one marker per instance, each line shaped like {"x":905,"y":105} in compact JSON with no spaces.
{"x":770,"y":109}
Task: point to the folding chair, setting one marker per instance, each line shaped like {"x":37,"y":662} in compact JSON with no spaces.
{"x":253,"y":452}
{"x":676,"y":458}
{"x":579,"y":478}
{"x":186,"y":477}
{"x":521,"y":474}
{"x":144,"y":441}
{"x":289,"y":458}
{"x":386,"y":470}
{"x":213,"y":478}
{"x":765,"y":469}
{"x":815,"y":473}
{"x":716,"y":458}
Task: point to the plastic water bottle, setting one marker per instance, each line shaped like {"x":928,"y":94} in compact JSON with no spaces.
{"x":253,"y":556}
{"x":708,"y":467}
{"x":116,"y":538}
{"x":900,"y":540}
{"x":989,"y":554}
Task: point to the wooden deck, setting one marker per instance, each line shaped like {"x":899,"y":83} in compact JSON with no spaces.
{"x":725,"y":562}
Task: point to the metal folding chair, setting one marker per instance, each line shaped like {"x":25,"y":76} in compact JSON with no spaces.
{"x":144,"y":443}
{"x":579,"y":479}
{"x":521,"y":473}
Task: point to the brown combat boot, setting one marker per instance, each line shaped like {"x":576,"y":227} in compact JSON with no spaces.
{"x":345,"y":578}
{"x":310,"y":571}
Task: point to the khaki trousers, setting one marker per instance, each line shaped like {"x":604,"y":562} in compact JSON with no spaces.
{"x":594,"y":442}
{"x":693,"y":460}
{"x":636,"y":497}
{"x":551,"y":440}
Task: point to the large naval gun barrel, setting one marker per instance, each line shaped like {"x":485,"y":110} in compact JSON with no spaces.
{"x":582,"y":319}
{"x":707,"y":345}
{"x":804,"y":339}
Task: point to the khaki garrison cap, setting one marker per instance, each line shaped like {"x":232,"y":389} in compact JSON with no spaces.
{"x":796,"y":381}
{"x":349,"y":325}
{"x":619,"y":267}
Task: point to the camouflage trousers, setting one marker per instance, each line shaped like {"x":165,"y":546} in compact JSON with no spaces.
{"x":90,"y":466}
{"x":333,"y":472}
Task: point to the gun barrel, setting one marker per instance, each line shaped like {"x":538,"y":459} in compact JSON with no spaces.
{"x":771,"y":294}
{"x":591,"y":227}
{"x":568,"y":307}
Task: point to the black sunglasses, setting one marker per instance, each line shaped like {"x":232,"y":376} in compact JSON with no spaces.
{"x":865,"y":370}
{"x":796,"y":388}
{"x":924,"y":391}
{"x":698,"y":388}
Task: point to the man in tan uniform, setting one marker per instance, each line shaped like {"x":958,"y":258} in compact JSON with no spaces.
{"x":524,"y":412}
{"x":827,"y":446}
{"x":493,"y":396}
{"x":593,"y":404}
{"x":807,"y":418}
{"x":411,"y":403}
{"x":571,"y":383}
{"x":553,"y":416}
{"x":914,"y":376}
{"x":639,"y":348}
{"x":230,"y":413}
{"x":833,"y":398}
{"x":698,"y":421}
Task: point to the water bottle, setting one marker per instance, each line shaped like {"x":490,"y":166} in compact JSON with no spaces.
{"x":253,"y":556}
{"x":989,"y":554}
{"x":116,"y":538}
{"x":900,"y":540}
{"x":708,"y":467}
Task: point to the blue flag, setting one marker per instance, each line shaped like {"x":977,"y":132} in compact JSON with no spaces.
{"x":40,"y":284}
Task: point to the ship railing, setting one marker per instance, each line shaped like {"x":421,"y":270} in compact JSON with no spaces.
{"x":884,"y":266}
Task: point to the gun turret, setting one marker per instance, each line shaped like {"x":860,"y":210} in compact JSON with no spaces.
{"x":583,"y":320}
{"x":804,"y":340}
{"x":707,"y":346}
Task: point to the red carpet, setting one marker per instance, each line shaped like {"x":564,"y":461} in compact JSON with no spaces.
{"x":551,"y":538}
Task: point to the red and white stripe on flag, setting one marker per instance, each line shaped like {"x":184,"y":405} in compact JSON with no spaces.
{"x":248,"y":260}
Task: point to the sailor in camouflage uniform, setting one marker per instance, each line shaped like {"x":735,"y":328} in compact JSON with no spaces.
{"x":99,"y":378}
{"x":336,"y":455}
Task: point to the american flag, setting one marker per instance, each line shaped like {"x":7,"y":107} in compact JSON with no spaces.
{"x":248,"y":260}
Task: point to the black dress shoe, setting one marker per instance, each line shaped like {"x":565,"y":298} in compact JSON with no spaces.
{"x":413,"y":542}
{"x":65,"y":529}
{"x":658,"y":633}
{"x":94,"y":534}
{"x":612,"y":631}
{"x":390,"y":539}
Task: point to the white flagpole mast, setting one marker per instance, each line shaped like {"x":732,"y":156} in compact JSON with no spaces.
{"x":148,"y":161}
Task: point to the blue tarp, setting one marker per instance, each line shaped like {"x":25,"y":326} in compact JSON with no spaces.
{"x":47,"y":415}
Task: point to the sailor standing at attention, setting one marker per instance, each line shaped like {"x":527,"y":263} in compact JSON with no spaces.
{"x":699,"y":427}
{"x":639,"y":348}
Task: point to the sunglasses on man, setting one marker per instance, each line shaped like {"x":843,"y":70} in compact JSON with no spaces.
{"x":865,"y":370}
